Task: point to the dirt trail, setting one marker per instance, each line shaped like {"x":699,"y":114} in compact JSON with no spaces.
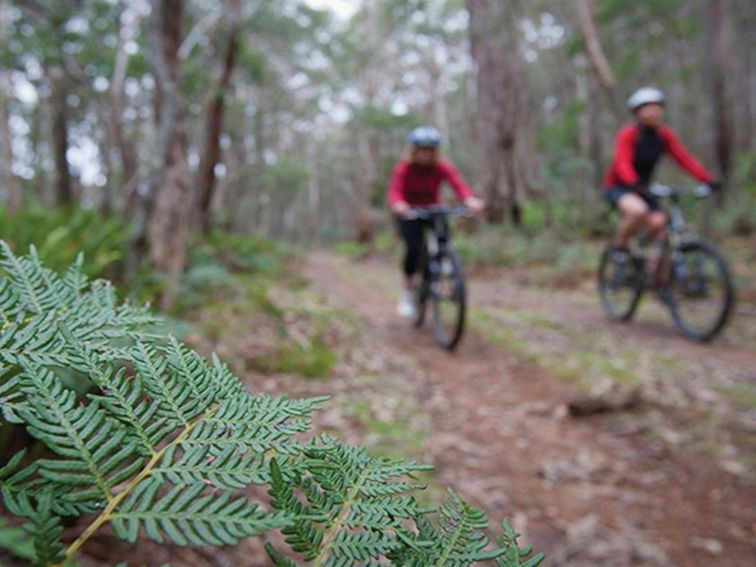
{"x":623,"y":488}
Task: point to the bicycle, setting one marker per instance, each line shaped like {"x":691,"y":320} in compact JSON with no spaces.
{"x":443,"y":279}
{"x":692,"y":277}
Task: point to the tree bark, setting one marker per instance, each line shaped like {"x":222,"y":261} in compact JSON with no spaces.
{"x":163,"y":211}
{"x":504,"y":116}
{"x":170,"y":221}
{"x":719,"y":59}
{"x":63,"y":185}
{"x":11,"y":188}
{"x":120,"y":148}
{"x":211,"y":154}
{"x":368,"y":142}
{"x":313,"y":191}
{"x":599,"y":62}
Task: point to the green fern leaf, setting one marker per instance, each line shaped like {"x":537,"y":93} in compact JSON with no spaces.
{"x":187,"y":516}
{"x":46,"y":529}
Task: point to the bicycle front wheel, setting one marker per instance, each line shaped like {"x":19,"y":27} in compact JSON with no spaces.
{"x":449,"y":300}
{"x":620,"y":285}
{"x":702,"y":294}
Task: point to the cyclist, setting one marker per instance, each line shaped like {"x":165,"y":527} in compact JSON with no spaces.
{"x":638,"y":147}
{"x":416,"y":182}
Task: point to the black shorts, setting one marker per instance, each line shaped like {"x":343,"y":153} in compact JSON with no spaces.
{"x":614,"y":194}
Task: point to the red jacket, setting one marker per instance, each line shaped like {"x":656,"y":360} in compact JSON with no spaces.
{"x":419,"y":185}
{"x":622,"y":170}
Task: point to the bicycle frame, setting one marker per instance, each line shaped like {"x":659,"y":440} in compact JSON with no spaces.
{"x":438,"y":236}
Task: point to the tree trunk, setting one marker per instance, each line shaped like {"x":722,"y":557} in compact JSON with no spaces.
{"x":313,"y":191}
{"x":163,"y":211}
{"x":169,"y":223}
{"x":214,"y":122}
{"x":718,"y":60}
{"x":368,"y":143}
{"x":63,"y":189}
{"x":599,"y":62}
{"x":124,"y":186}
{"x":505,"y":126}
{"x":11,"y":190}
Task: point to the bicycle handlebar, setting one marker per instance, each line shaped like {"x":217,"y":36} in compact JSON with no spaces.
{"x":700,"y":191}
{"x":424,"y":213}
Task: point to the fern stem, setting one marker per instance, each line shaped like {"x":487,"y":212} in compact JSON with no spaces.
{"x":107,"y":513}
{"x":339,"y":521}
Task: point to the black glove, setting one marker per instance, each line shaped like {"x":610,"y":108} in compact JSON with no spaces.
{"x":715,"y":186}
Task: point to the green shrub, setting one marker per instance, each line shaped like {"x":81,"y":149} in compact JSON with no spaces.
{"x":240,"y":253}
{"x":314,"y":360}
{"x":59,"y":235}
{"x":166,"y":444}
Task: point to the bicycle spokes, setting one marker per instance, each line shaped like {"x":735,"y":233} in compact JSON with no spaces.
{"x":448,"y":294}
{"x":620,"y":284}
{"x":702,"y":291}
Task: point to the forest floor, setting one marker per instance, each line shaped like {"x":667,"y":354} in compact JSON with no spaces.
{"x":670,"y":480}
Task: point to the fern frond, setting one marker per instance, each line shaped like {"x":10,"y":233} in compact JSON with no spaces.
{"x":46,"y":529}
{"x":19,"y":486}
{"x":256,"y":423}
{"x":36,"y":288}
{"x":458,"y":541}
{"x":164,"y":440}
{"x":514,"y":555}
{"x":125,"y":400}
{"x":171,"y":392}
{"x":225,"y":469}
{"x":95,"y":453}
{"x":185,"y":516}
{"x":348,"y":505}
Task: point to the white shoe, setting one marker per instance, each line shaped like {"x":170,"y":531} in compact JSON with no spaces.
{"x":406,"y":305}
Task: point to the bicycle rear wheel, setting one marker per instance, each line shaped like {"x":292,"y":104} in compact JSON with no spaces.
{"x":449,"y":301}
{"x":701,"y":289}
{"x":620,"y":286}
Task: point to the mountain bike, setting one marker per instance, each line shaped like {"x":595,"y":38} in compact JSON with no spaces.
{"x":443,"y":280}
{"x":692,"y":277}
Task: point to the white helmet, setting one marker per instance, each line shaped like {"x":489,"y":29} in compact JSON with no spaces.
{"x":645,"y":95}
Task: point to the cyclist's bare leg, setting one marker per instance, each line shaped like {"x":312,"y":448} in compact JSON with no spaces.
{"x":634,"y":211}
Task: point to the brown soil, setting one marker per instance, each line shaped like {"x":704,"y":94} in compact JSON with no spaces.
{"x":621,"y":488}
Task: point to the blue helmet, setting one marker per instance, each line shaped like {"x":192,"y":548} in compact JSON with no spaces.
{"x":425,"y":137}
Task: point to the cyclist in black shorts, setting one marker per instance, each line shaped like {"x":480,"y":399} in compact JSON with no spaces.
{"x":638,"y":148}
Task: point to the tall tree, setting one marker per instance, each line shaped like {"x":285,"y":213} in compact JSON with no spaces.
{"x":169,"y":189}
{"x":120,"y":147}
{"x":599,"y":62}
{"x":59,"y":132}
{"x":719,"y":59}
{"x":11,"y":190}
{"x":214,"y":115}
{"x":503,"y":107}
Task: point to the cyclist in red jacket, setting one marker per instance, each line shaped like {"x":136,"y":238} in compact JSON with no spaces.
{"x":638,"y":148}
{"x":416,"y":182}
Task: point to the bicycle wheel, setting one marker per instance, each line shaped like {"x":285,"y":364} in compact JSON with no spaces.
{"x":448,"y":297}
{"x":620,"y":286}
{"x":701,"y":290}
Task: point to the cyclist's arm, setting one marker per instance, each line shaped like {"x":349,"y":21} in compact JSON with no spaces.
{"x":683,"y":158}
{"x":452,"y":176}
{"x":624,"y":155}
{"x":395,"y":194}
